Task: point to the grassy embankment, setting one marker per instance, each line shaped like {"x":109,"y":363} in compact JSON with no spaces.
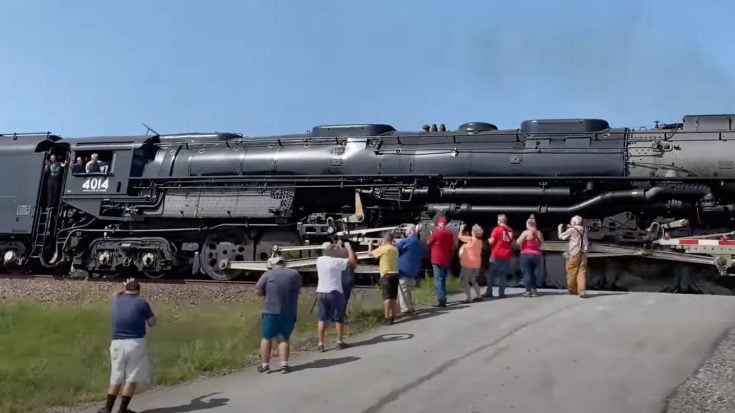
{"x":53,"y":355}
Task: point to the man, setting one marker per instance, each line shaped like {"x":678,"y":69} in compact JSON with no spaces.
{"x":93,"y":166}
{"x":78,"y":167}
{"x":387,"y":254}
{"x":330,"y":296}
{"x":410,"y":252}
{"x":501,"y":244}
{"x":347,"y":285}
{"x":576,"y":233}
{"x":279,"y":287}
{"x":128,"y":356}
{"x":441,"y":244}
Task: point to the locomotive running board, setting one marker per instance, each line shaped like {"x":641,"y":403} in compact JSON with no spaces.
{"x":304,"y":264}
{"x":599,"y":250}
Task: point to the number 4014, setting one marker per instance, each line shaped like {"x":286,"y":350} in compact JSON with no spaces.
{"x":96,"y":184}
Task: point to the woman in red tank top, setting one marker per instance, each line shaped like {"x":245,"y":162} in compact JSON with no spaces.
{"x":530,"y":242}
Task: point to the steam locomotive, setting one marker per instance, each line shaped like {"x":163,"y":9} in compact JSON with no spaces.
{"x":186,"y":203}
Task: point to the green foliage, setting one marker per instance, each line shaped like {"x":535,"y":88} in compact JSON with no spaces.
{"x":54,"y":355}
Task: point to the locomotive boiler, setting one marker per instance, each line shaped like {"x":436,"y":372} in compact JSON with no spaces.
{"x":191,"y":203}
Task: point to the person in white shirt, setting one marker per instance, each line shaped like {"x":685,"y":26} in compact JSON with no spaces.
{"x":330,"y":297}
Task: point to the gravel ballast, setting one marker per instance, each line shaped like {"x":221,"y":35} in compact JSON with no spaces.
{"x":67,"y":291}
{"x":712,"y":388}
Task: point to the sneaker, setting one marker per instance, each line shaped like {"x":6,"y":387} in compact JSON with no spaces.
{"x":439,"y":305}
{"x":320,"y":348}
{"x":285,"y":369}
{"x":571,"y":292}
{"x":341,"y":345}
{"x":263,"y":369}
{"x":478,"y":298}
{"x":534,"y":293}
{"x":582,"y":295}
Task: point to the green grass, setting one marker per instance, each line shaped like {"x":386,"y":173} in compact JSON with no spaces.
{"x":56,"y":355}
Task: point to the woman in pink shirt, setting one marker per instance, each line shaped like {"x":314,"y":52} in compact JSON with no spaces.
{"x":530,"y":242}
{"x":471,"y":261}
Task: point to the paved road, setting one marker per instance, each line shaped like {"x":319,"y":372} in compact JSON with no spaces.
{"x":556,"y":353}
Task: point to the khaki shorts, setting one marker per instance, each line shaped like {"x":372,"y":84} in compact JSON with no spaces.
{"x":128,"y":361}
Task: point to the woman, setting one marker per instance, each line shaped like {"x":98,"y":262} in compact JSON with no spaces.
{"x":470,"y":261}
{"x":530,"y":242}
{"x":53,"y":180}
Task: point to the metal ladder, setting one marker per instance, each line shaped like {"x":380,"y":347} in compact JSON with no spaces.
{"x":42,"y":231}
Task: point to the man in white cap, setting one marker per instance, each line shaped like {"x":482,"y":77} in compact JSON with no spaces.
{"x":280,"y":287}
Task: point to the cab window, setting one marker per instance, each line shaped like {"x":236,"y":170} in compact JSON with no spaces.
{"x":92,"y":163}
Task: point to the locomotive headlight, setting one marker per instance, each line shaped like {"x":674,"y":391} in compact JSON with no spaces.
{"x":149,"y":259}
{"x":104,"y":257}
{"x":10,"y":257}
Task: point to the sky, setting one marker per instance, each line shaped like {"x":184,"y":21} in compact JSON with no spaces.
{"x":99,"y":68}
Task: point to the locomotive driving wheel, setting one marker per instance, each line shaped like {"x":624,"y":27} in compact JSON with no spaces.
{"x":221,"y":249}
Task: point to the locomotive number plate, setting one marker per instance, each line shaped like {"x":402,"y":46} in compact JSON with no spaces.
{"x":96,"y":184}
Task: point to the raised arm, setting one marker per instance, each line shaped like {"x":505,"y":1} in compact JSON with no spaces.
{"x":351,"y":256}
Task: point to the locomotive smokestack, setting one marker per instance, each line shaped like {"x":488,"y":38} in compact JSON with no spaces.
{"x":442,"y":128}
{"x":426,"y":128}
{"x":433,"y":127}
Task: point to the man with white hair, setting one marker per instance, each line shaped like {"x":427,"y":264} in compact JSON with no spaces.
{"x":410,"y":252}
{"x":576,"y":266}
{"x":279,"y":288}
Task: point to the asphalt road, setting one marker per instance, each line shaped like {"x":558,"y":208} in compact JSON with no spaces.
{"x":555,"y":353}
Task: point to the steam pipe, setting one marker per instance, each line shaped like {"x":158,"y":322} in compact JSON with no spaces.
{"x":606,"y":197}
{"x":505,"y":191}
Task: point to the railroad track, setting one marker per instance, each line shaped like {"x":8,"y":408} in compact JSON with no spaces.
{"x":169,"y":281}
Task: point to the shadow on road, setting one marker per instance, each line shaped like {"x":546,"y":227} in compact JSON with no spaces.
{"x":324,"y":363}
{"x":383,"y":338}
{"x":194,"y":405}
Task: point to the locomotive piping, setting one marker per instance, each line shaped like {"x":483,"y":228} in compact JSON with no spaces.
{"x":629,"y":195}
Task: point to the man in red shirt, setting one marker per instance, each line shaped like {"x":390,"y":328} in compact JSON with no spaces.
{"x":501,"y":243}
{"x":441,"y":243}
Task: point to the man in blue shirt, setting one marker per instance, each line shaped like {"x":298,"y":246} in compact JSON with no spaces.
{"x":279,"y":288}
{"x":410,"y":252}
{"x":128,"y":357}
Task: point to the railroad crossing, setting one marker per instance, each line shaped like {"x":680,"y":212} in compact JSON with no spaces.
{"x":609,"y":353}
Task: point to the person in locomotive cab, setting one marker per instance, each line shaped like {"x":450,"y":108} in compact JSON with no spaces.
{"x":387,"y":254}
{"x":501,"y":244}
{"x":576,"y":266}
{"x":54,"y":171}
{"x":78,"y":167}
{"x":94,"y":165}
{"x":441,"y":244}
{"x":128,"y":355}
{"x":330,"y":295}
{"x":279,"y":287}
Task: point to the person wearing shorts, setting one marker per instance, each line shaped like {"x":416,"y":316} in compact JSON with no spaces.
{"x":387,"y":254}
{"x":329,"y":292}
{"x":279,"y":288}
{"x":128,"y":356}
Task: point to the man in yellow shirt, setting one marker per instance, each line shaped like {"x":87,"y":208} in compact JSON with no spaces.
{"x":387,"y":254}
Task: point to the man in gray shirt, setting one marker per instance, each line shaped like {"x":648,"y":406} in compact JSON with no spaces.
{"x":280,"y":288}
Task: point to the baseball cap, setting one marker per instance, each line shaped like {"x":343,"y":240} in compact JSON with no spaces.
{"x":441,"y":220}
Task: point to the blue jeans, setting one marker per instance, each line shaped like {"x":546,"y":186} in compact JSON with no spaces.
{"x":440,"y":283}
{"x":529,"y":263}
{"x":499,"y":270}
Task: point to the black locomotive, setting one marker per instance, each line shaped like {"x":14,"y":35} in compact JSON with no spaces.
{"x":186,"y":203}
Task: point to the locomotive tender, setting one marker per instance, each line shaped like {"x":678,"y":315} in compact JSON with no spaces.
{"x":190,"y":203}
